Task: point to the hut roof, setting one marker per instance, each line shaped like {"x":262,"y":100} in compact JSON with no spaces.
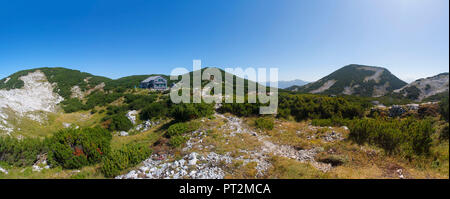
{"x":152,"y":78}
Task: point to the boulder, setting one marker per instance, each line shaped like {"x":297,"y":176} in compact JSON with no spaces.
{"x":123,"y":133}
{"x":193,"y":158}
{"x":2,"y":170}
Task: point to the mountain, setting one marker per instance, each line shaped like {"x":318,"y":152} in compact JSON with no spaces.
{"x":425,"y":87}
{"x":32,"y":96}
{"x":287,"y":84}
{"x":354,"y":79}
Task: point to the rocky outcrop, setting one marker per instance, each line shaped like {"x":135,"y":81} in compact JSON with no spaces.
{"x":132,"y":116}
{"x":36,"y":96}
{"x":2,"y":170}
{"x":324,"y":87}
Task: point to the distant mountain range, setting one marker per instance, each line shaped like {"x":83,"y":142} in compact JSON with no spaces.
{"x":354,"y":79}
{"x":287,"y":84}
{"x":360,"y":80}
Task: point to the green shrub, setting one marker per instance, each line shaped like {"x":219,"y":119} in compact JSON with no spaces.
{"x":100,"y":99}
{"x":240,"y":109}
{"x":154,"y":111}
{"x":186,"y":112}
{"x":126,"y":157}
{"x":115,"y":163}
{"x":177,"y":129}
{"x":21,"y":152}
{"x":116,"y":119}
{"x":177,"y":140}
{"x":113,"y":110}
{"x":303,"y":106}
{"x":72,"y":105}
{"x":120,"y":122}
{"x":138,"y":102}
{"x":264,"y":123}
{"x":75,"y":148}
{"x":407,"y":137}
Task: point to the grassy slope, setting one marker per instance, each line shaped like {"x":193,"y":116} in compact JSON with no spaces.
{"x":53,"y":123}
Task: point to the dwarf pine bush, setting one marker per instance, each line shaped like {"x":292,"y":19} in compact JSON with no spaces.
{"x":128,"y":156}
{"x":396,"y":136}
{"x":75,"y":148}
{"x":21,"y":152}
{"x":177,"y":129}
{"x":177,"y":141}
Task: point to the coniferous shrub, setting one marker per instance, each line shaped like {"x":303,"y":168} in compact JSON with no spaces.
{"x":120,"y":122}
{"x":115,"y":163}
{"x":75,"y":148}
{"x":72,"y":105}
{"x":186,"y":112}
{"x":177,"y":140}
{"x":138,"y":102}
{"x":116,"y":119}
{"x":407,"y":137}
{"x":21,"y":152}
{"x":177,"y":129}
{"x":112,"y":110}
{"x":100,"y":99}
{"x":302,"y":107}
{"x":155,"y":110}
{"x":126,"y":157}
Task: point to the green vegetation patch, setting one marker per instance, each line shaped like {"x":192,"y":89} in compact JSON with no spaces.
{"x":264,"y":123}
{"x":128,"y":156}
{"x":407,"y":137}
{"x":20,"y":152}
{"x":75,"y":148}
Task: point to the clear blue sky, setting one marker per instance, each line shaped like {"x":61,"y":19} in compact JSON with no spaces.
{"x":305,"y":39}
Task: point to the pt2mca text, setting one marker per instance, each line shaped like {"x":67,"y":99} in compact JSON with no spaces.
{"x":226,"y":189}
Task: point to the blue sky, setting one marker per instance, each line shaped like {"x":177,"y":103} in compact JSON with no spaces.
{"x":305,"y":39}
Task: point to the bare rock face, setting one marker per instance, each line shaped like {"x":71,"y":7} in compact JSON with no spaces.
{"x":324,"y":87}
{"x":36,"y":96}
{"x":132,"y":116}
{"x":77,"y":92}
